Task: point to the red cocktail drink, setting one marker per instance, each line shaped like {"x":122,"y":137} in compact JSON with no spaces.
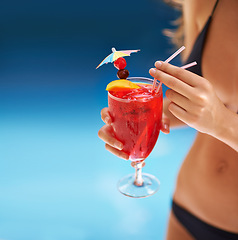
{"x":136,"y":115}
{"x":136,"y":120}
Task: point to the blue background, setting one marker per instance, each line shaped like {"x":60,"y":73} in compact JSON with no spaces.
{"x":56,"y":179}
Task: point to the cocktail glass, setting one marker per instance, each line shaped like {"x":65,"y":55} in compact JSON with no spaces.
{"x":137,"y":123}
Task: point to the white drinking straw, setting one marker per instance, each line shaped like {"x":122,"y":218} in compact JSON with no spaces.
{"x":189,"y":65}
{"x":183,"y":67}
{"x":175,"y":54}
{"x":158,"y":88}
{"x":168,"y":60}
{"x":154,"y":83}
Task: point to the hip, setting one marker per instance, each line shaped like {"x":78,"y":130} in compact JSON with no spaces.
{"x":207,"y":183}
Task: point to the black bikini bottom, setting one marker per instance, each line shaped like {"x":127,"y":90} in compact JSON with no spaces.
{"x":199,"y":229}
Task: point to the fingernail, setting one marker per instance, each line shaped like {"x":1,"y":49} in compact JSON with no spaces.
{"x":152,"y":71}
{"x":166,"y":126}
{"x":107,"y":120}
{"x":118,"y":145}
{"x":125,"y":156}
{"x":158,"y":64}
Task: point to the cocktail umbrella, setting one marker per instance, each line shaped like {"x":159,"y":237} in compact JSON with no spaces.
{"x":115,"y":55}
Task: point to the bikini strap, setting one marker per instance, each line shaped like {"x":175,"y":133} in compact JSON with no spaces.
{"x":214,"y":8}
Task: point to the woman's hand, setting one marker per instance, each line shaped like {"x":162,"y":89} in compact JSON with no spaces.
{"x":193,"y":98}
{"x":112,"y":144}
{"x":107,"y":135}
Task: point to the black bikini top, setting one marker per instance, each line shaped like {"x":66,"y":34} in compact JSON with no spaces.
{"x":196,"y":53}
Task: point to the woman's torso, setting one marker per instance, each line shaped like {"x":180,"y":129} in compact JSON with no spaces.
{"x":207,"y":184}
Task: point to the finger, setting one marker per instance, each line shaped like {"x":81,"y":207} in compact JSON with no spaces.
{"x":178,"y":99}
{"x":107,"y":135}
{"x":105,"y":115}
{"x":178,"y":112}
{"x":117,"y":152}
{"x":182,"y":74}
{"x":165,"y":127}
{"x":172,"y":82}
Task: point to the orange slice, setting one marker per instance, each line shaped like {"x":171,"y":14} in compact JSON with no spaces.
{"x":119,"y":84}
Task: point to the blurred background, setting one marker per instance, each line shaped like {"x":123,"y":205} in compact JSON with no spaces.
{"x":57,"y":181}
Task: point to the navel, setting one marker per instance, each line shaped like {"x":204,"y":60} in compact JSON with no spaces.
{"x":222,"y":166}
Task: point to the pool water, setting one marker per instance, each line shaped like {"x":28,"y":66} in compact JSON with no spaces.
{"x":56,"y":179}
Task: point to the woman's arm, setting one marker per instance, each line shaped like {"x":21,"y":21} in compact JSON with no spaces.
{"x":228,"y":128}
{"x":194,"y":101}
{"x":195,"y":14}
{"x":190,"y":28}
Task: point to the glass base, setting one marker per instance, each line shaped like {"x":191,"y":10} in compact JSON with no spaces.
{"x":127,"y":186}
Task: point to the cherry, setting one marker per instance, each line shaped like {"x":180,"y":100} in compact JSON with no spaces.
{"x":120,"y":63}
{"x":123,"y":73}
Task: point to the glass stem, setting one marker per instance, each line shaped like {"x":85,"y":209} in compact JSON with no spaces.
{"x":138,"y":174}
